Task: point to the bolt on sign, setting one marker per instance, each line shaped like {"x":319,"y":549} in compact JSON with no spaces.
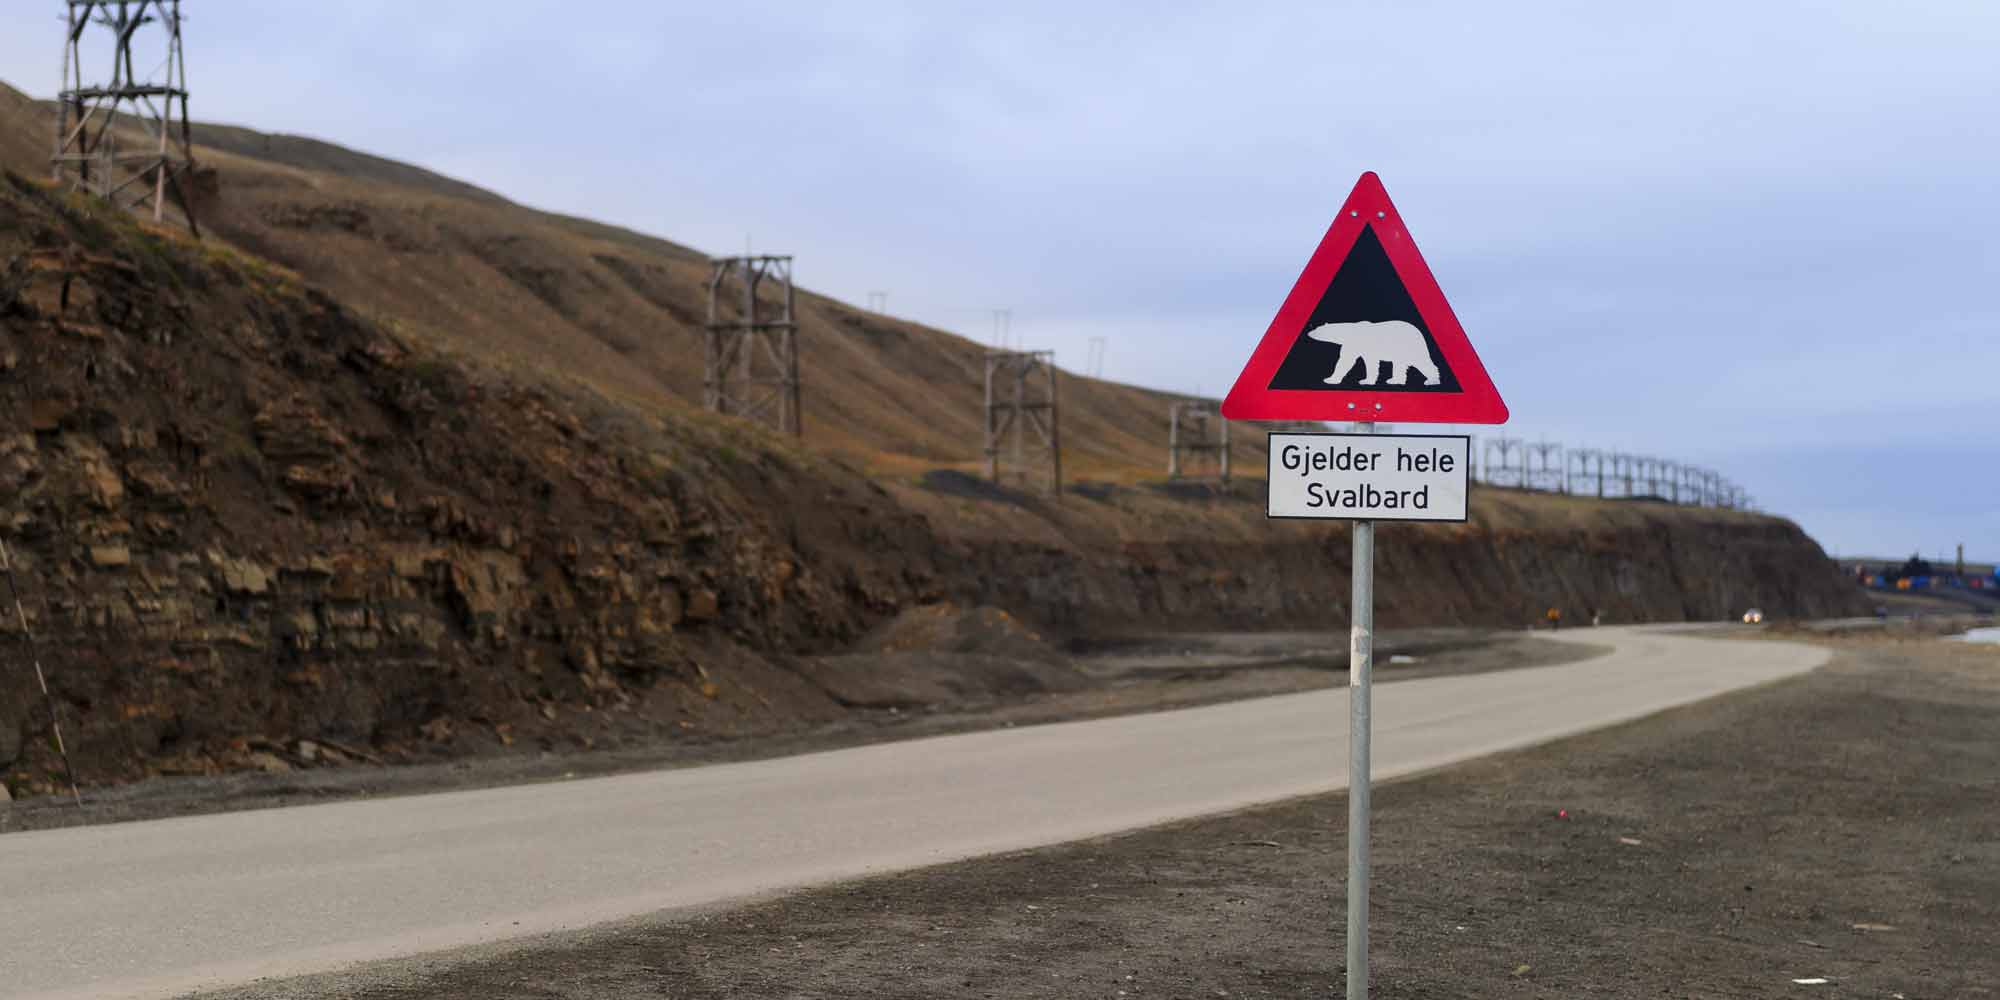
{"x":1365,"y":335}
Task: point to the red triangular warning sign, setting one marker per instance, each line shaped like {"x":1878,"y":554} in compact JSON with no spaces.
{"x":1366,"y":335}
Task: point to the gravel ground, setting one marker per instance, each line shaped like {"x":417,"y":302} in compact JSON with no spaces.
{"x":1838,"y":827}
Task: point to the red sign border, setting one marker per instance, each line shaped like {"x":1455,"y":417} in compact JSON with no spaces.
{"x":1477,"y":402}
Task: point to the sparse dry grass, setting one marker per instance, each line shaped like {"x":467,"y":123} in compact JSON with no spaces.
{"x":537,"y":294}
{"x":588,"y":308}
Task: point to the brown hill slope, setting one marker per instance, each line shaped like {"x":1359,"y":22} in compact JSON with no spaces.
{"x":26,"y":133}
{"x":470,"y":272}
{"x":243,"y":513}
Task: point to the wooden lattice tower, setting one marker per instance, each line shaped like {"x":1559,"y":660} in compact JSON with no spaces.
{"x":1618,"y":472}
{"x":1670,"y":480}
{"x":1023,"y":421}
{"x":1585,"y":476}
{"x":1544,"y":467}
{"x":1652,"y":473}
{"x":1197,"y":434}
{"x":751,"y":365}
{"x":94,"y":121}
{"x":1691,"y":490}
{"x":1504,"y":462}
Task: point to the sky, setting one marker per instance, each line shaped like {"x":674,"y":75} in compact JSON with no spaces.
{"x":1752,"y":237}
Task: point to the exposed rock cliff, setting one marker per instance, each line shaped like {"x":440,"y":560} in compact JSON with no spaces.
{"x":255,"y":529}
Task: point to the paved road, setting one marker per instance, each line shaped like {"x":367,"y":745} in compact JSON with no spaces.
{"x":152,"y":909}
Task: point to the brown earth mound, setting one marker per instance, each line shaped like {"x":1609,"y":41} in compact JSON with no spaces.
{"x":947,"y":628}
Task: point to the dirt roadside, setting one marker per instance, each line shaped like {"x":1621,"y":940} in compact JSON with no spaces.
{"x":1092,"y":679}
{"x":1837,"y":827}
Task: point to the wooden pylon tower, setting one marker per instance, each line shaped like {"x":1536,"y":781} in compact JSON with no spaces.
{"x":126,"y":138}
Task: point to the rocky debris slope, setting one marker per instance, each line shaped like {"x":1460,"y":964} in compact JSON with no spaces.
{"x":244,"y":517}
{"x":257,"y":530}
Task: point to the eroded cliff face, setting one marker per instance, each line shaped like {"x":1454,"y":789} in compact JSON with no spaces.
{"x":254,"y":529}
{"x":1519,"y":555}
{"x":239,"y":512}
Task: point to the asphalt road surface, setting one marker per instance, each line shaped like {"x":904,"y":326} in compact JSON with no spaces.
{"x":158,"y":908}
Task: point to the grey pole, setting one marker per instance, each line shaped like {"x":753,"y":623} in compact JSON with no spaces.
{"x":1360,"y":667}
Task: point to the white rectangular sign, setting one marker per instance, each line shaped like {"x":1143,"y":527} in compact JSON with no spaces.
{"x":1369,"y":477}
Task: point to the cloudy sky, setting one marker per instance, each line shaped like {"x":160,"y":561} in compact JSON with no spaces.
{"x":1758,"y":237}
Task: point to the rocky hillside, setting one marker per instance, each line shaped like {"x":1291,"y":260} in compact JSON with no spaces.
{"x":246,"y":518}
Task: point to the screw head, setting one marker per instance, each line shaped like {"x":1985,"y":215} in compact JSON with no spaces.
{"x":1350,"y":406}
{"x":1381,"y":215}
{"x":1378,"y":406}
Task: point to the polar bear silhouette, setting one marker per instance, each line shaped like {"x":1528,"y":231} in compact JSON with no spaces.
{"x":1394,"y":341}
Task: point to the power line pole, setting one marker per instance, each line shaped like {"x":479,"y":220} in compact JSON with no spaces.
{"x":1196,"y":429}
{"x":1022,"y":416}
{"x":751,"y":365}
{"x":91,"y":118}
{"x":1003,"y":325}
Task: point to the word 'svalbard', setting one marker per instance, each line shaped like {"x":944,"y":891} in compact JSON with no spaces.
{"x":1369,"y":476}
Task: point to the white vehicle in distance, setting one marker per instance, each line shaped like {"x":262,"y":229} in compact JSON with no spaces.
{"x":1754,"y":616}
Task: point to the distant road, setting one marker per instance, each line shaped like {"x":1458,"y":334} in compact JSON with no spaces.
{"x":158,"y":908}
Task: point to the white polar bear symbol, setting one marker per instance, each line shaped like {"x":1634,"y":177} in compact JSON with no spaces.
{"x":1394,"y":341}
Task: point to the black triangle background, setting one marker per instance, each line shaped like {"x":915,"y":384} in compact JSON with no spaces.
{"x":1365,"y":289}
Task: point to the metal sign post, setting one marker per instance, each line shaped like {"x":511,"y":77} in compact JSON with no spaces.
{"x":1360,"y":667}
{"x":1363,"y":477}
{"x":1365,"y":336}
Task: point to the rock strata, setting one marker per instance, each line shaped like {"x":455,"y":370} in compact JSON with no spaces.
{"x":257,"y":531}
